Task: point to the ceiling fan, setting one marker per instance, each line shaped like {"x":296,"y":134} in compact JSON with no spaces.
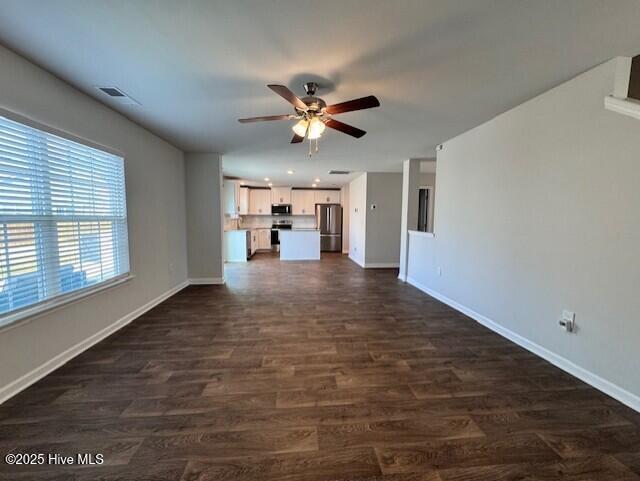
{"x":313,"y":114}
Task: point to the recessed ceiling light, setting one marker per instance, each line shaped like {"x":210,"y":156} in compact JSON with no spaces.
{"x":270,"y":184}
{"x":317,"y":180}
{"x":314,"y":185}
{"x":267,"y":179}
{"x":242,"y":182}
{"x":290,"y":172}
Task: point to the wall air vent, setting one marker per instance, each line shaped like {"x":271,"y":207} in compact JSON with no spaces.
{"x":339,"y":172}
{"x":117,"y":95}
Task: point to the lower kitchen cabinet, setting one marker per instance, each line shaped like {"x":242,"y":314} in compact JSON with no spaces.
{"x":264,"y":239}
{"x":254,"y":241}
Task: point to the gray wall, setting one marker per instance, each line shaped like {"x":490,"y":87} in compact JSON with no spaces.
{"x":156,"y":214}
{"x":383,"y":223}
{"x":538,"y":211}
{"x":204,"y":217}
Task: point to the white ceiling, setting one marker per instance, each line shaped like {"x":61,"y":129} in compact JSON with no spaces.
{"x":439,"y":67}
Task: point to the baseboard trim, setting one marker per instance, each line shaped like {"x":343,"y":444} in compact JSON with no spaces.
{"x":382,"y":265}
{"x":41,"y":371}
{"x":357,"y":261}
{"x":375,"y":265}
{"x":625,"y":397}
{"x":204,"y":281}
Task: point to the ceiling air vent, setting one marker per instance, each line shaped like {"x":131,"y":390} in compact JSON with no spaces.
{"x":339,"y":172}
{"x":118,"y":95}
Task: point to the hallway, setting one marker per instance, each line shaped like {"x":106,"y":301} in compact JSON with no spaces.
{"x":316,"y":371}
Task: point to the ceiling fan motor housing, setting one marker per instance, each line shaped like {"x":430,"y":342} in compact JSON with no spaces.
{"x":311,"y":88}
{"x":315,"y":104}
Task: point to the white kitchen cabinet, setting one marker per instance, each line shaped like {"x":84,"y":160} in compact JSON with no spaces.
{"x":303,"y":202}
{"x":254,"y":241}
{"x":231,"y":195}
{"x":244,"y":201}
{"x":264,"y":239}
{"x":281,"y":195}
{"x":260,"y":201}
{"x":327,"y":196}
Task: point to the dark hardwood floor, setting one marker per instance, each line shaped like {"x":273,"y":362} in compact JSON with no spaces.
{"x":316,"y":371}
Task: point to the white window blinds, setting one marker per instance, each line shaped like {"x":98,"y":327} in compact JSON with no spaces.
{"x":63,"y":217}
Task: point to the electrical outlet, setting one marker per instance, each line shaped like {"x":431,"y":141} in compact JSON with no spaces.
{"x":568,"y":321}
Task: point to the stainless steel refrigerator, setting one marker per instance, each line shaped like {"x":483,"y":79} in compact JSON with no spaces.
{"x":329,"y":222}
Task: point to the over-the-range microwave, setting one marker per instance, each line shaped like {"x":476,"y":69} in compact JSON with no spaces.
{"x":280,"y":209}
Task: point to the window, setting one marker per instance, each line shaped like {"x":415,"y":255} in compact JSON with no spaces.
{"x":63,"y":217}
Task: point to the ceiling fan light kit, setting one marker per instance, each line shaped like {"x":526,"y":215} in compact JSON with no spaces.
{"x":313,"y":115}
{"x":316,"y":127}
{"x":300,"y":128}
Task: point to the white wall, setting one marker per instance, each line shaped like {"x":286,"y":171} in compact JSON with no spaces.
{"x":357,"y":218}
{"x":538,"y":211}
{"x":344,"y":200}
{"x":204,"y":217}
{"x":156,"y":214}
{"x":384,"y":190}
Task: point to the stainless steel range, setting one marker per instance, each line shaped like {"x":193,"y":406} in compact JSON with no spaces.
{"x":276,"y":227}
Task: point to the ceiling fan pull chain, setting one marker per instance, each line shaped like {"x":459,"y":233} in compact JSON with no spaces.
{"x":316,"y":146}
{"x":310,"y":152}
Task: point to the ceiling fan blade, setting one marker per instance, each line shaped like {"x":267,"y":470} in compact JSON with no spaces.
{"x":351,"y":105}
{"x":268,"y":117}
{"x":289,"y":96}
{"x":296,"y":139}
{"x":344,"y":128}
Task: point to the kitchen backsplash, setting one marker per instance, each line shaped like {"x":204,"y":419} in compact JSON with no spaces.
{"x":249,"y":222}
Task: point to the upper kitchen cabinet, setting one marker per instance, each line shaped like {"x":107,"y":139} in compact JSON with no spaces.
{"x":231,"y":195}
{"x":281,"y":195}
{"x":327,"y":196}
{"x":260,"y":201}
{"x":244,"y":201}
{"x":303,"y":202}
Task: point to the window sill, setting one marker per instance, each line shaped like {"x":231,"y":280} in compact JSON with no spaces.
{"x":419,"y":233}
{"x":30,"y":313}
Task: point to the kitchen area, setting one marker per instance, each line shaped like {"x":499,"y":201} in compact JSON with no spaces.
{"x":294,"y":223}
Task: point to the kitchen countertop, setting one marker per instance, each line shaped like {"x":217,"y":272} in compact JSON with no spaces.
{"x":247,"y":229}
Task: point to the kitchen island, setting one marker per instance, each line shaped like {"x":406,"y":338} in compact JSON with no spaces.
{"x":300,"y":245}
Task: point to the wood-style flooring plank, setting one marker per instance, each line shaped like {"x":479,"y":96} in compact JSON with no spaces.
{"x":316,"y":371}
{"x":488,"y":451}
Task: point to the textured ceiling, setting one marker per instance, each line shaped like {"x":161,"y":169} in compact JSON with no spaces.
{"x":439,"y":67}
